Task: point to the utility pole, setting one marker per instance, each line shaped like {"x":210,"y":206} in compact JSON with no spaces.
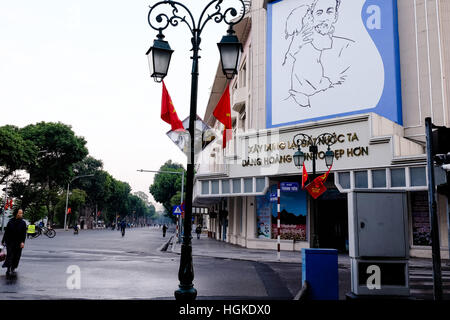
{"x":67,"y":196}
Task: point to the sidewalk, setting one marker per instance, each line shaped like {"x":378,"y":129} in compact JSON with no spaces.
{"x":208,"y":247}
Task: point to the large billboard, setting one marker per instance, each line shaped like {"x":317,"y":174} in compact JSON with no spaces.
{"x":331,"y":58}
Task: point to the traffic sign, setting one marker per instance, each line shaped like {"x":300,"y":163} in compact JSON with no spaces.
{"x":176,"y":210}
{"x":273,"y":197}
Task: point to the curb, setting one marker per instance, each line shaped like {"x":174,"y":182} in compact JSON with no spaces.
{"x":164,"y":247}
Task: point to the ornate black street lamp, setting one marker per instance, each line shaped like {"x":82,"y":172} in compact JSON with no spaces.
{"x":299,"y":158}
{"x":159,"y":59}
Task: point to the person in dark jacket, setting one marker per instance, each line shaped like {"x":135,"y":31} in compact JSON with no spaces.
{"x":164,"y":228}
{"x":14,"y":239}
{"x":198,"y":230}
{"x":123,"y":225}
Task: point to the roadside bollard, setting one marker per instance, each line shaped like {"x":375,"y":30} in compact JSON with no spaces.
{"x":320,"y":270}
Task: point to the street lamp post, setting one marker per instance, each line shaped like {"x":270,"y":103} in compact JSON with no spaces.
{"x":159,"y":59}
{"x":67,"y":196}
{"x":299,"y":158}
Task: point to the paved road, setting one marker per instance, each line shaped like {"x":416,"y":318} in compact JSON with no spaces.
{"x":132,"y":267}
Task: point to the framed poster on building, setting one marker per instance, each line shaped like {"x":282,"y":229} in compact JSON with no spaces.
{"x":420,"y":218}
{"x":264,"y":209}
{"x":292,"y":218}
{"x":329,"y":58}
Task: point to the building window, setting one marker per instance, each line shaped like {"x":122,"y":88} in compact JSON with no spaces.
{"x":418,"y":176}
{"x":215,"y":186}
{"x":361,"y":179}
{"x":344,"y":179}
{"x":379,"y":178}
{"x":260,"y":184}
{"x":248,"y":185}
{"x":398,"y":178}
{"x":243,"y":76}
{"x":205,"y":187}
{"x":236,"y":185}
{"x":225,"y":186}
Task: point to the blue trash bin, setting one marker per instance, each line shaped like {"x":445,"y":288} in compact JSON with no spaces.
{"x":320,"y":270}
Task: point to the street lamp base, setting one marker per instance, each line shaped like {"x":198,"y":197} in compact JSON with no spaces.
{"x":185,"y":293}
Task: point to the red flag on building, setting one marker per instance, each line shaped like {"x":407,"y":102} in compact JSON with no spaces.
{"x":304,"y":177}
{"x":316,"y":188}
{"x":222,"y":112}
{"x":325,"y":175}
{"x":168,"y":113}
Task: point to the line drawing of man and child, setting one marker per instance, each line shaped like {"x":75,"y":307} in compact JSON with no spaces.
{"x":316,"y":55}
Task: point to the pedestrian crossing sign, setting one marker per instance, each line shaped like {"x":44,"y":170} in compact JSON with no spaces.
{"x":176,"y":210}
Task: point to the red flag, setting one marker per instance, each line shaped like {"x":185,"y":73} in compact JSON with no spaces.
{"x":316,"y":188}
{"x":10,"y":203}
{"x":222,"y":112}
{"x":168,"y":113}
{"x":6,"y":204}
{"x":304,"y":177}
{"x":69,"y":211}
{"x":98,"y":214}
{"x":325,"y":175}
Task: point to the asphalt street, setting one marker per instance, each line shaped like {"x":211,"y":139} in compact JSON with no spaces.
{"x":133,"y":267}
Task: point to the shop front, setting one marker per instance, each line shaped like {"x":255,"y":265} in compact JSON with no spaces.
{"x":368,"y":153}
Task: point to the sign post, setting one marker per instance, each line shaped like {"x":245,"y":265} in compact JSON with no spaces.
{"x":434,"y":225}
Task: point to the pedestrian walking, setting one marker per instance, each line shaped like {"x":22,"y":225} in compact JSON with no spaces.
{"x":164,"y":228}
{"x":75,"y":229}
{"x":14,"y":239}
{"x":123,"y":225}
{"x":198,"y":230}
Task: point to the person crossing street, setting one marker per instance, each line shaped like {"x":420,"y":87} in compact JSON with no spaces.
{"x":14,"y":239}
{"x":123,"y":225}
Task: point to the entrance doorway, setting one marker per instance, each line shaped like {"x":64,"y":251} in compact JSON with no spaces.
{"x":332,"y":219}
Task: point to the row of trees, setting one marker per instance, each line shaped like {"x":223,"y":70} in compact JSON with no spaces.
{"x":39,"y":160}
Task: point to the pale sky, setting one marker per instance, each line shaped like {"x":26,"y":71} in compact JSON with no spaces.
{"x":82,"y":62}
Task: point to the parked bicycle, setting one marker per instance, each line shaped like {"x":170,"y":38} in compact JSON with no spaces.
{"x":49,"y":232}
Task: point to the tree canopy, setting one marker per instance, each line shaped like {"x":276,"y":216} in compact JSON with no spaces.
{"x":41,"y":159}
{"x":166,"y":185}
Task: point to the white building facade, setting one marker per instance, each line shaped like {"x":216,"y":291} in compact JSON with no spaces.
{"x":368,"y":72}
